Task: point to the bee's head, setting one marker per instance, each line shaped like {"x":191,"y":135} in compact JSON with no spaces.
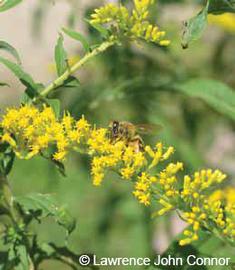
{"x":114,"y":128}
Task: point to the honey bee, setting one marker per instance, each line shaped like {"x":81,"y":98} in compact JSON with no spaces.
{"x":130,"y":133}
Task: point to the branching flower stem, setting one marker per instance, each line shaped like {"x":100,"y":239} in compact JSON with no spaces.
{"x":61,"y":79}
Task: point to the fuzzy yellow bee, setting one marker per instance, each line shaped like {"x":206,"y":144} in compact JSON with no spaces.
{"x":130,"y":133}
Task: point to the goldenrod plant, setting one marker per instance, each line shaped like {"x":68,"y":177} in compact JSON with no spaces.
{"x":165,"y":174}
{"x":31,"y":132}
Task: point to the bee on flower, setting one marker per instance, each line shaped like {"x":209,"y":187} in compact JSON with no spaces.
{"x":31,"y":131}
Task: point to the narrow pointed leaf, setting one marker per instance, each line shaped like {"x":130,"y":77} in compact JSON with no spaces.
{"x":60,"y":56}
{"x":24,"y":77}
{"x":23,"y":258}
{"x":77,"y":36}
{"x":10,"y":49}
{"x":216,"y":94}
{"x":55,"y":105}
{"x":102,"y":30}
{"x":194,"y":27}
{"x":4,"y":84}
{"x":7,"y":4}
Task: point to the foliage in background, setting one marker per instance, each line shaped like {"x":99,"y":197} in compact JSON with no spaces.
{"x":143,"y":86}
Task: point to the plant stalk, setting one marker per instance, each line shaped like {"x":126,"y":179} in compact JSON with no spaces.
{"x":60,"y":80}
{"x":7,"y":198}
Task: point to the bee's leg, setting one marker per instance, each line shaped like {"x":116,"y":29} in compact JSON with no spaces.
{"x":115,"y":139}
{"x":137,"y":143}
{"x":141,"y":143}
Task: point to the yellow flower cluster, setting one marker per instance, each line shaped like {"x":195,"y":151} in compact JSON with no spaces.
{"x":143,"y":187}
{"x":225,"y":21}
{"x":134,"y":25}
{"x":202,"y":180}
{"x":195,"y":193}
{"x":32,"y":131}
{"x":226,"y":197}
{"x":221,"y":205}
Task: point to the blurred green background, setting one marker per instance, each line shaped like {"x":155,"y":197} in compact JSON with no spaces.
{"x":134,"y":83}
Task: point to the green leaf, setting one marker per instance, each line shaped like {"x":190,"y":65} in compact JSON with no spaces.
{"x":77,"y":36}
{"x":194,"y":27}
{"x":18,"y":257}
{"x":44,"y":205}
{"x":7,"y":157}
{"x":34,"y":202}
{"x":60,"y":56}
{"x":66,"y":220}
{"x":7,"y":4}
{"x":216,"y":94}
{"x":23,"y":258}
{"x":6,"y":160}
{"x":10,"y":49}
{"x":24,"y":77}
{"x":221,"y":6}
{"x":30,"y":93}
{"x":102,"y":30}
{"x":71,"y":82}
{"x":4,"y":84}
{"x":55,"y":105}
{"x":3,"y":260}
{"x":59,"y":166}
{"x":47,"y":249}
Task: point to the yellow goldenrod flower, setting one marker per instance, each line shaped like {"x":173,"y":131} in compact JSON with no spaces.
{"x":158,"y":155}
{"x":225,"y":21}
{"x":166,"y":207}
{"x":82,"y":124}
{"x":127,"y":172}
{"x":143,"y":188}
{"x":60,"y":156}
{"x":201,"y":181}
{"x":8,"y":139}
{"x":133,"y":25}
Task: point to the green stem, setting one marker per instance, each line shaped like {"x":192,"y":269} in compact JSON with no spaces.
{"x":7,"y":198}
{"x":60,"y":80}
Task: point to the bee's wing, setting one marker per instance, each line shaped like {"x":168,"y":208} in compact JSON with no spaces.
{"x":148,"y":128}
